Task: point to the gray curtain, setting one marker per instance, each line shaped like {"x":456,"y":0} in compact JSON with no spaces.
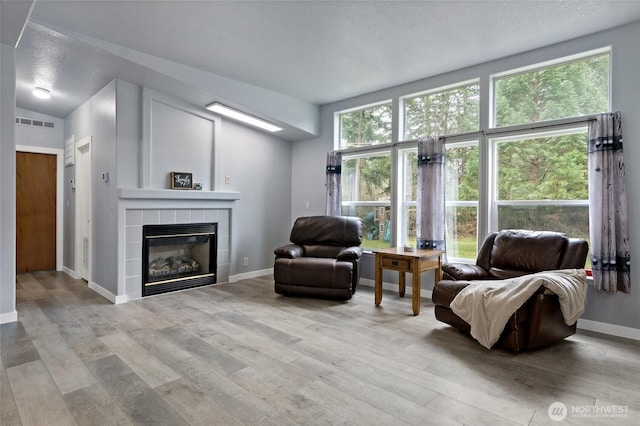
{"x":431,"y":186}
{"x":333,"y":189}
{"x":608,"y":220}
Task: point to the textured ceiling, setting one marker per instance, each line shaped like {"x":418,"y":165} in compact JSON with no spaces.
{"x":314,"y":51}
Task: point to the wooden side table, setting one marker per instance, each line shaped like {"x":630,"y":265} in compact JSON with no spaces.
{"x":402,"y":261}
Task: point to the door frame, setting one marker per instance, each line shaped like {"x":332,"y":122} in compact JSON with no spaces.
{"x":59,"y":153}
{"x":81,"y":146}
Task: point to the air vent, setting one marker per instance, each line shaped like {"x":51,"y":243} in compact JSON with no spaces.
{"x":36,"y":123}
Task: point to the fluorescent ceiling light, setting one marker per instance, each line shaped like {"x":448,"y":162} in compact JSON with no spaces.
{"x":241,"y":116}
{"x":41,"y":93}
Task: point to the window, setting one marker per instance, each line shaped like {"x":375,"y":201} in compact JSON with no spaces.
{"x":366,"y":193}
{"x":408,"y":168}
{"x":442,"y":112}
{"x":365,"y":127}
{"x":541,"y":182}
{"x":527,"y":168}
{"x":462,"y":197}
{"x":571,"y":89}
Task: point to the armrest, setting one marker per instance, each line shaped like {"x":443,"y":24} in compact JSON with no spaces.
{"x":290,"y":250}
{"x":350,"y":253}
{"x":464,"y":271}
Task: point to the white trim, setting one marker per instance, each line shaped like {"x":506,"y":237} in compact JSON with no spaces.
{"x":251,"y":274}
{"x":576,"y":57}
{"x":610,"y":329}
{"x":361,"y":107}
{"x":170,"y":194}
{"x":59,"y":153}
{"x":9,"y":317}
{"x":149,"y":96}
{"x":436,"y":90}
{"x":70,"y":272}
{"x":107,"y":294}
{"x":81,"y":146}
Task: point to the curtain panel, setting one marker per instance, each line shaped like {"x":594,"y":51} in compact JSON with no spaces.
{"x":431,"y":194}
{"x":333,"y":188}
{"x":608,"y":220}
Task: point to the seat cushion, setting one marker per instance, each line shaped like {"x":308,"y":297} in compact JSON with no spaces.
{"x":313,"y":272}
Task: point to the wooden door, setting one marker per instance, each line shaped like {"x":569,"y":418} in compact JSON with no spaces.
{"x":35,"y":212}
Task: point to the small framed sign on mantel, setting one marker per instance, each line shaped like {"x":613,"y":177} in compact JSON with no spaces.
{"x":181,"y":180}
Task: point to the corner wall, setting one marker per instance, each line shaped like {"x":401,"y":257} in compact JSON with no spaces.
{"x":257,"y":164}
{"x":96,"y":118}
{"x":7,"y":185}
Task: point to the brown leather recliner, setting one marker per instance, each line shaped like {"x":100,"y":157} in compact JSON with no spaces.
{"x":323,"y":259}
{"x":508,"y":254}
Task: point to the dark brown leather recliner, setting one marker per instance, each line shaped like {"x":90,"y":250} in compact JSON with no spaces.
{"x":508,"y":254}
{"x":323,"y":259}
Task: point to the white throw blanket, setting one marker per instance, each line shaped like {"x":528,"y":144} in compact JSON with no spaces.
{"x":487,"y":305}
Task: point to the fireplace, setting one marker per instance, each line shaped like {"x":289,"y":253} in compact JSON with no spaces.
{"x":178,"y":256}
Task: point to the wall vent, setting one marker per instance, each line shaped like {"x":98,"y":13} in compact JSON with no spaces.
{"x":36,"y":123}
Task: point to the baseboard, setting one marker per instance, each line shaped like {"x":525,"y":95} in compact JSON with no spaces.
{"x":252,"y":274}
{"x":70,"y":272}
{"x":107,"y":294}
{"x":424,"y":293}
{"x":9,"y":317}
{"x":610,"y":329}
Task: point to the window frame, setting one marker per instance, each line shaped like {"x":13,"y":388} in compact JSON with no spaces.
{"x":486,"y":205}
{"x":367,"y":152}
{"x":337,"y":121}
{"x":564,"y":60}
{"x":403,"y":104}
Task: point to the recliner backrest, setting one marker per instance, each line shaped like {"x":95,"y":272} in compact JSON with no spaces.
{"x":531,"y":251}
{"x":341,"y":231}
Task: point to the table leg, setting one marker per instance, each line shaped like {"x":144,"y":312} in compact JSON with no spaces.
{"x":415,"y":290}
{"x":437,"y":274}
{"x":401,"y":283}
{"x":378,"y":280}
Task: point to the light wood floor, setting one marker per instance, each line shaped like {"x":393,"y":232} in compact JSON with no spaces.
{"x":238,"y":354}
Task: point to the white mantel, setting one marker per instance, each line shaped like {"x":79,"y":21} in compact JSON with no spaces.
{"x":145,"y":206}
{"x":175,"y":194}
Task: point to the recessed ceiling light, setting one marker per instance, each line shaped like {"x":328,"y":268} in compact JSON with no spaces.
{"x":241,"y":116}
{"x":41,"y":93}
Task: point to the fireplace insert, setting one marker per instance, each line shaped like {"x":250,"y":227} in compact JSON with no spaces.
{"x":178,"y":256}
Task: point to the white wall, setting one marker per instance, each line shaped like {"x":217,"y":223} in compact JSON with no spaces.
{"x":7,"y":185}
{"x":621,"y":310}
{"x":182,"y":142}
{"x":128,"y":119}
{"x":42,"y":137}
{"x":258,"y":166}
{"x":96,"y":118}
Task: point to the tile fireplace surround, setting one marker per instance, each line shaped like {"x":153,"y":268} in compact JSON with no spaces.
{"x":138,"y":207}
